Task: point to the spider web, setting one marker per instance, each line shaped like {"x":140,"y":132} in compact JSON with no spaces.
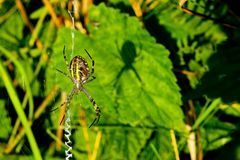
{"x":67,"y":125}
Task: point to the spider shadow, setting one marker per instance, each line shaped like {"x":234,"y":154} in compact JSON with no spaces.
{"x":128,"y":55}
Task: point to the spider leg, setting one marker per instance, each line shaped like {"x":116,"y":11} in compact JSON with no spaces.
{"x":52,"y":110}
{"x":69,"y":98}
{"x":91,"y":79}
{"x":96,"y":119}
{"x":68,"y":77}
{"x":65,"y":74}
{"x":62,"y":119}
{"x":64,"y":113}
{"x":96,"y":108}
{"x":65,"y":58}
{"x":93,"y":63}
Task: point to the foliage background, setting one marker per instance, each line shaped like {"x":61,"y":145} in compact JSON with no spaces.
{"x":167,"y":79}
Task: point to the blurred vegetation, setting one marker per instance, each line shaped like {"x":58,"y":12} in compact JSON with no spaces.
{"x":167,"y":79}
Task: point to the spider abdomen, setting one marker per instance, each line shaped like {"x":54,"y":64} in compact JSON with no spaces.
{"x":79,"y":69}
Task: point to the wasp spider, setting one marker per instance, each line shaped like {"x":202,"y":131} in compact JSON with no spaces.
{"x":80,"y":75}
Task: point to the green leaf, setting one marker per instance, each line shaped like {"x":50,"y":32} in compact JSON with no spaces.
{"x":134,"y":88}
{"x":12,"y":32}
{"x":135,"y":84}
{"x":192,"y":40}
{"x":216,"y":134}
{"x":5,"y":121}
{"x":232,"y":109}
{"x":37,"y":13}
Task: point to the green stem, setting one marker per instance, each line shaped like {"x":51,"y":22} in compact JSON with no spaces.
{"x":17,"y":105}
{"x":206,"y":113}
{"x":21,"y":69}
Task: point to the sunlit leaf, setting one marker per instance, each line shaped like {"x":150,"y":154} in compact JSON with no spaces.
{"x":134,"y":77}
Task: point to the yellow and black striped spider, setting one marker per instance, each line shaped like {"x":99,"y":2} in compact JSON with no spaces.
{"x":80,"y":75}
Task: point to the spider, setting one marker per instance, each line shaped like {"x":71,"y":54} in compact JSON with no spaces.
{"x":80,"y":75}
